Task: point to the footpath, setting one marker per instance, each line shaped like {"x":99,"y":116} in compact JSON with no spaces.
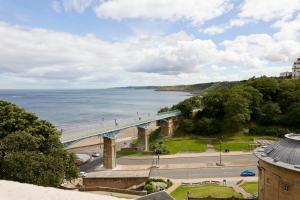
{"x":233,"y":182}
{"x":192,"y":155}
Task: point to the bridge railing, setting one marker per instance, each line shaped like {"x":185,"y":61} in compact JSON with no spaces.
{"x":79,"y":135}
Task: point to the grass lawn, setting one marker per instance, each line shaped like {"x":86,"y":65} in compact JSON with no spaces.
{"x":175,"y":145}
{"x":218,"y":191}
{"x":239,"y":142}
{"x":250,"y":187}
{"x":129,"y":152}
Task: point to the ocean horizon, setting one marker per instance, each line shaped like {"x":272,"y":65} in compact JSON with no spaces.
{"x":76,"y":109}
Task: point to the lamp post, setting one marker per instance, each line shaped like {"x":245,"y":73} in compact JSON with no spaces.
{"x":221,"y":150}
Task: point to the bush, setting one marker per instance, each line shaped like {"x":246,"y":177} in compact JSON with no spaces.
{"x":271,"y":131}
{"x":155,"y":185}
{"x":159,"y":148}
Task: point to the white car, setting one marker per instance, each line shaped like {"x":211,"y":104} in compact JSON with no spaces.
{"x":95,"y":154}
{"x":82,"y":174}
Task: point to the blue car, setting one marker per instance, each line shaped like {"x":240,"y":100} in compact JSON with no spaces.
{"x":247,"y":173}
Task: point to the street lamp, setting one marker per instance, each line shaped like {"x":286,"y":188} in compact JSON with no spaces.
{"x":221,"y":150}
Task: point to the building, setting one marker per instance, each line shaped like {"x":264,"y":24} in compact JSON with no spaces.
{"x":296,"y":69}
{"x":279,"y":169}
{"x":285,"y":74}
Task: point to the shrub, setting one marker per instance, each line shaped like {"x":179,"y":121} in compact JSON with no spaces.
{"x":157,"y":184}
{"x":272,"y":131}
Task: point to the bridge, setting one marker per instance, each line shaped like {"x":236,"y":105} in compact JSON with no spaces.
{"x":167,"y":123}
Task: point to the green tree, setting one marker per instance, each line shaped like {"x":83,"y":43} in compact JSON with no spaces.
{"x":269,"y":113}
{"x":188,"y":105}
{"x":209,"y":126}
{"x":237,"y":112}
{"x":31,"y":150}
{"x":292,"y":116}
{"x":188,"y":125}
{"x":213,"y":104}
{"x":267,"y":86}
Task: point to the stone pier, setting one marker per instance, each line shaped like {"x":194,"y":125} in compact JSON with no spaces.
{"x":109,"y":153}
{"x":143,"y":139}
{"x":167,"y":127}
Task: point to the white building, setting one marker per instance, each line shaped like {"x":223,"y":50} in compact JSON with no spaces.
{"x":296,"y":69}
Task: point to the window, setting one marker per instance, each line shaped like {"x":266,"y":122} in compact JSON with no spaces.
{"x":286,"y":188}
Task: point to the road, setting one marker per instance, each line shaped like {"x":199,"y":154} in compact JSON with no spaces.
{"x":213,"y":172}
{"x":184,"y":160}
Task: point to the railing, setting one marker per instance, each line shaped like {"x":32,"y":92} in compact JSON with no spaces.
{"x":75,"y":136}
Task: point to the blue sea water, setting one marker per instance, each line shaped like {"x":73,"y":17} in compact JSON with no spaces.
{"x":80,"y":109}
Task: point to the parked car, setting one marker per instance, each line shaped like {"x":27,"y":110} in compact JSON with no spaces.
{"x":95,"y":154}
{"x":82,"y":174}
{"x":247,"y":173}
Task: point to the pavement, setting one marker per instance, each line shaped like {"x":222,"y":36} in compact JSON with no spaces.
{"x":181,"y":165}
{"x":209,"y":172}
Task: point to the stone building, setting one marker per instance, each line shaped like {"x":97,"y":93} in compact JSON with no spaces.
{"x":296,"y":69}
{"x":279,"y":169}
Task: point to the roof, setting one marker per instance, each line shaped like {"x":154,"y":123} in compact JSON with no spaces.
{"x":284,"y":153}
{"x":157,"y":196}
{"x":15,"y":191}
{"x":119,"y":174}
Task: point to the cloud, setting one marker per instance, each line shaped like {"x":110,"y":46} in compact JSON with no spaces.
{"x":194,"y":11}
{"x":250,"y":11}
{"x":268,"y":10}
{"x":213,"y":30}
{"x":51,"y":57}
{"x":71,"y":5}
{"x":216,"y":68}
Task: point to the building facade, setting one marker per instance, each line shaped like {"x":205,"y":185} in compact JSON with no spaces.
{"x":279,"y":169}
{"x":296,"y":69}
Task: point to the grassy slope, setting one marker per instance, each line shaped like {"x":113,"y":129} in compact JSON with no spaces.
{"x":204,"y":191}
{"x":250,"y":187}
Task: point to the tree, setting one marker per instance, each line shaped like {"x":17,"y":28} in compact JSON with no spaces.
{"x":267,"y":86}
{"x":269,"y":113}
{"x":237,"y":112}
{"x":188,"y":105}
{"x":213,"y":104}
{"x":292,"y":116}
{"x":31,"y":151}
{"x":209,"y":126}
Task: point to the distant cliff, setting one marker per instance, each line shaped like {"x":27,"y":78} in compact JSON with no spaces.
{"x":201,"y":88}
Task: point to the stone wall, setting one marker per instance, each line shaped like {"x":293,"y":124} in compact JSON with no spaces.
{"x":121,"y":183}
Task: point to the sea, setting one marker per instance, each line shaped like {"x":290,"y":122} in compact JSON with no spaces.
{"x":72,"y":110}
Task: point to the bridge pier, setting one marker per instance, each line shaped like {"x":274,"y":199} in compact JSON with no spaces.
{"x":167,"y":127}
{"x":143,"y":139}
{"x":109,"y":152}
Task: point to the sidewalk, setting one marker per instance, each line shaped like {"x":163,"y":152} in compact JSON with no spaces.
{"x":192,"y":155}
{"x":187,"y":165}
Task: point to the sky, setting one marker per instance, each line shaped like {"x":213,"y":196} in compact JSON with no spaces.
{"x":57,"y":44}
